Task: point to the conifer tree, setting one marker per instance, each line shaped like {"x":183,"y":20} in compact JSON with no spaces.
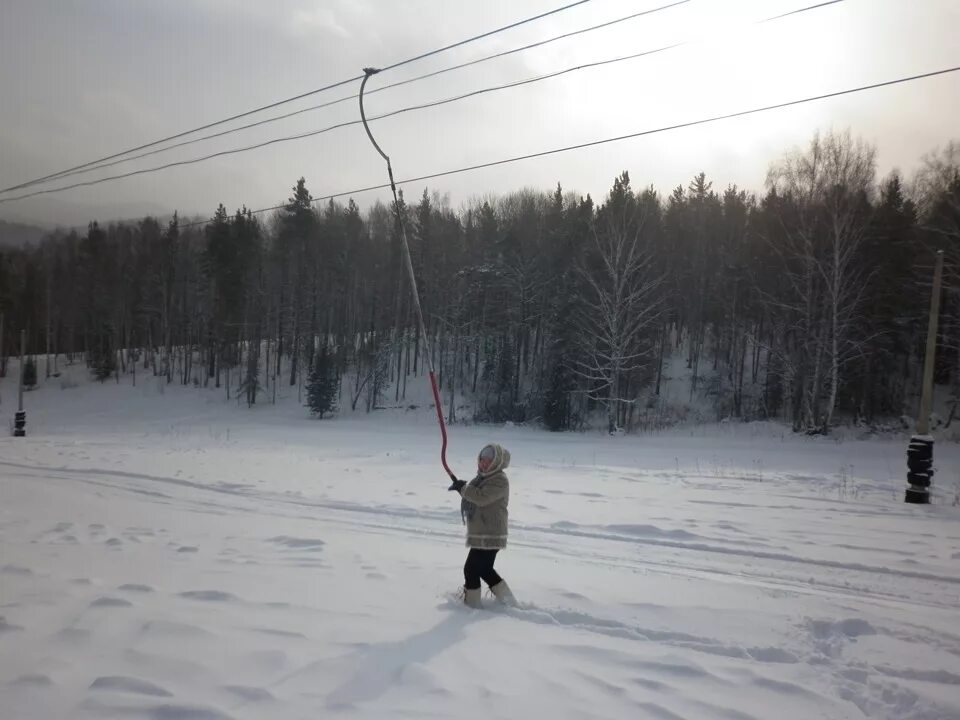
{"x":323,"y":386}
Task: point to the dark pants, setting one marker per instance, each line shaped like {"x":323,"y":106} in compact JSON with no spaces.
{"x":479,"y":566}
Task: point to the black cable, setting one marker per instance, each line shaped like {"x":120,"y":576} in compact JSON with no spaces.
{"x":83,"y":170}
{"x":568,"y":148}
{"x":312,"y":133}
{"x":423,"y":106}
{"x":486,"y":34}
{"x":302,"y":95}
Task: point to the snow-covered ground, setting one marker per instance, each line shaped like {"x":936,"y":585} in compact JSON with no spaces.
{"x":170,"y":556}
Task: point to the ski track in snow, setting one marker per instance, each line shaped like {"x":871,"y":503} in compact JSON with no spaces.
{"x":307,"y":570}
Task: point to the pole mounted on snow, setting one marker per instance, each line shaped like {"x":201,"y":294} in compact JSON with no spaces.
{"x":920,"y":451}
{"x":368,"y":72}
{"x":20,"y":419}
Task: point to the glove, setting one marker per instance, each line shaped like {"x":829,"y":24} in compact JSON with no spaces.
{"x":457,"y":485}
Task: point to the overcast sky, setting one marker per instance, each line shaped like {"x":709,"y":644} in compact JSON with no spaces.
{"x":82,"y":79}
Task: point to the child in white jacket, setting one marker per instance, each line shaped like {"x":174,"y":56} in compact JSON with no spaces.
{"x":484,"y":511}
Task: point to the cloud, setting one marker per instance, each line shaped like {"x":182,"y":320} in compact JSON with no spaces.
{"x":316,"y":20}
{"x":88,"y":79}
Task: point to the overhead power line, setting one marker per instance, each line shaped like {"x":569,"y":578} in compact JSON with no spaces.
{"x":337,"y":126}
{"x":619,"y":138}
{"x":422,"y":106}
{"x":331,"y":86}
{"x":93,"y":167}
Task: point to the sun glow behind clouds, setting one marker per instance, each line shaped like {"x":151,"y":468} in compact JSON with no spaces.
{"x":730,"y":62}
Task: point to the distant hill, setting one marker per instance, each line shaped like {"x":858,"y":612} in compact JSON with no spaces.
{"x":19,"y":234}
{"x":54,"y":212}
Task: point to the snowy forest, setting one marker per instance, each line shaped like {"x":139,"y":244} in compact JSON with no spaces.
{"x":805,"y":303}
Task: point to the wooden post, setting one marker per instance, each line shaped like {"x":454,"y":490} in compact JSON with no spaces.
{"x":20,"y":419}
{"x":920,"y":451}
{"x":49,"y":280}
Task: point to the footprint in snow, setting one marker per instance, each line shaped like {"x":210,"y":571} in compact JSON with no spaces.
{"x":16,"y":570}
{"x":166,"y":710}
{"x":297,"y":543}
{"x":6,"y":627}
{"x":167,"y":629}
{"x":140,"y":531}
{"x":208,"y":595}
{"x":110,"y":602}
{"x":281,"y":633}
{"x":250,"y":694}
{"x":849,"y":628}
{"x":772,"y":655}
{"x":130,"y":685}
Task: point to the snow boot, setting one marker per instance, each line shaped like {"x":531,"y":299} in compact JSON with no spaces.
{"x":502,"y":592}
{"x":471,"y":598}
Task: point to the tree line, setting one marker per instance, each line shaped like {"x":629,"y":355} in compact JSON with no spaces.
{"x":806,"y":302}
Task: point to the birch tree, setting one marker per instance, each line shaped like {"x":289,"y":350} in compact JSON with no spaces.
{"x":825,"y":215}
{"x":620,"y":307}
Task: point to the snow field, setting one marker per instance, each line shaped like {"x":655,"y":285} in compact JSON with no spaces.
{"x":171,"y":557}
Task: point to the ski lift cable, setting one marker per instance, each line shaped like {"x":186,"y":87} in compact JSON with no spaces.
{"x":605,"y":141}
{"x":330,"y":103}
{"x":423,"y":106}
{"x":367,"y":73}
{"x":309,"y":93}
